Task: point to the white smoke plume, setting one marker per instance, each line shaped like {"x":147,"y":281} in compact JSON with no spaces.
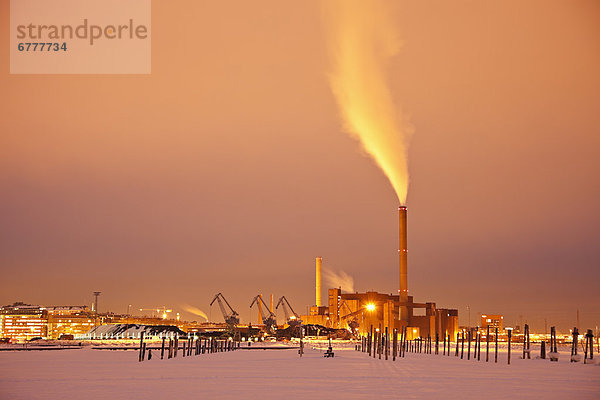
{"x":194,"y":310}
{"x":363,"y":38}
{"x":338,"y":279}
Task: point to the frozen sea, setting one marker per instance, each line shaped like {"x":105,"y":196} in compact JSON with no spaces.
{"x":274,"y":374}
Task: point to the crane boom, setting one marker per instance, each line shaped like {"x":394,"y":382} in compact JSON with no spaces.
{"x":231,"y":317}
{"x":290,"y":315}
{"x":271,"y":320}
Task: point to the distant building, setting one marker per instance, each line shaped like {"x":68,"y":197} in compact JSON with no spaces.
{"x":67,"y":321}
{"x":493,"y":321}
{"x":22,"y":322}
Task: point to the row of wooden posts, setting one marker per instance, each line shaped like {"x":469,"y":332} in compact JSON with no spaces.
{"x":588,"y":347}
{"x":377,"y":344}
{"x":191,"y":346}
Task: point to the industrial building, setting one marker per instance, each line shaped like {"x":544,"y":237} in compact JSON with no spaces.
{"x":361,"y":311}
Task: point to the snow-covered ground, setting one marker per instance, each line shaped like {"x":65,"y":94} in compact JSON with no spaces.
{"x":104,"y":374}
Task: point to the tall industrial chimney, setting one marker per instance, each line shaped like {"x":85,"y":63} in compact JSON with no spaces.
{"x":403,"y":255}
{"x":318,"y":282}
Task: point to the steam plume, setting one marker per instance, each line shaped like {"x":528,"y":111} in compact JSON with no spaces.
{"x":339,"y":279}
{"x":194,"y":310}
{"x":362,"y":37}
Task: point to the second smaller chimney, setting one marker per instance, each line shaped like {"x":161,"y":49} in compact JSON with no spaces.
{"x":318,"y":282}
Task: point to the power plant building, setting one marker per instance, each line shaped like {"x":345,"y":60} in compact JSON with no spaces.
{"x":361,"y":311}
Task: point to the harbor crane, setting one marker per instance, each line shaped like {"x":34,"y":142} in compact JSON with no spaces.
{"x":230,"y":316}
{"x":291,"y":317}
{"x":270,"y":320}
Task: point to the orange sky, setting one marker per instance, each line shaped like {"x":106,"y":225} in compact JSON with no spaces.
{"x":227,"y":168}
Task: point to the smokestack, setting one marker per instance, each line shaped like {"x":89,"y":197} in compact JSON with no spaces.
{"x":271,"y":302}
{"x":403,"y":255}
{"x":318,"y":282}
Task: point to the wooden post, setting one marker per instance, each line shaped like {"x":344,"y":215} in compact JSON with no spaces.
{"x":403,"y":342}
{"x":509,"y":337}
{"x":141,"y":346}
{"x":543,"y":350}
{"x":144,"y":352}
{"x":400,"y":341}
{"x":574,"y":344}
{"x":528,"y":350}
{"x":370,"y":340}
{"x":457,"y":340}
{"x":448,"y":353}
{"x":162,"y":349}
{"x":496,"y":353}
{"x":462,"y":345}
{"x":379,"y":343}
{"x":395,"y":344}
{"x":487,"y":345}
{"x":524,"y":340}
{"x":478,"y":346}
{"x":387,"y":343}
{"x":469,"y":348}
{"x":374,"y":344}
{"x":590,"y":337}
{"x":437,"y":343}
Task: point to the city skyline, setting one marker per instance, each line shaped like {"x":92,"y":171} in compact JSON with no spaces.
{"x":228,"y":169}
